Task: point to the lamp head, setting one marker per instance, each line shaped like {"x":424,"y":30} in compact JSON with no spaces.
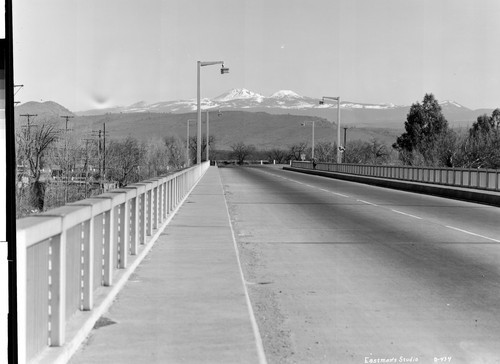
{"x":224,"y":70}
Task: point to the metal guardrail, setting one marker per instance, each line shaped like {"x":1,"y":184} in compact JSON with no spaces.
{"x":483,"y":179}
{"x":64,"y":255}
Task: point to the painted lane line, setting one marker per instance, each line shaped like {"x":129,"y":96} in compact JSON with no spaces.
{"x":366,"y":202}
{"x":340,"y":194}
{"x":474,"y":234}
{"x":404,"y":213}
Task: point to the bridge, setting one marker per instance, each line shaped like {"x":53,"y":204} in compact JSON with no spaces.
{"x":264,"y":264}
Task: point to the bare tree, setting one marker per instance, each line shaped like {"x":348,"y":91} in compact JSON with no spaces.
{"x":193,"y":142}
{"x":297,"y":150}
{"x":125,"y":160}
{"x":33,"y":143}
{"x":277,"y":154}
{"x":175,"y":151}
{"x":325,"y":152}
{"x":156,"y":159}
{"x":241,"y":151}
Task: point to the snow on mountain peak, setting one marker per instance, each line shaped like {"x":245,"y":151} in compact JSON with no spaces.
{"x":239,"y":94}
{"x":285,"y":94}
{"x":450,"y":103}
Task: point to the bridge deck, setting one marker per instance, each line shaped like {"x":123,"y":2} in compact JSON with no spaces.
{"x":186,"y":301}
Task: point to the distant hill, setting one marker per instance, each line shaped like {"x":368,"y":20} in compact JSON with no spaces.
{"x":262,"y":129}
{"x":44,"y":110}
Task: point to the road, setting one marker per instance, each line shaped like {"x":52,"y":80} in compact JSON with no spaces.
{"x":340,"y":272}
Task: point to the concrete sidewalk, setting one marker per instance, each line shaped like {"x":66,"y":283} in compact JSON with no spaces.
{"x":186,"y":302}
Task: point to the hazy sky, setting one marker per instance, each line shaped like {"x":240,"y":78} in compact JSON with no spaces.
{"x":97,"y":53}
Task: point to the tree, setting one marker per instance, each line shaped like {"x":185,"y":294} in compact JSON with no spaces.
{"x":481,"y":147}
{"x":277,"y":154}
{"x":241,"y":151}
{"x":155,"y":158}
{"x":424,"y":125}
{"x":175,"y":152}
{"x":33,"y":143}
{"x":297,"y":150}
{"x":193,"y":142}
{"x":325,"y":151}
{"x":124,"y":160}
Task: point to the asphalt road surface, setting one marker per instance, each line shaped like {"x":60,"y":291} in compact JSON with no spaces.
{"x":340,"y":272}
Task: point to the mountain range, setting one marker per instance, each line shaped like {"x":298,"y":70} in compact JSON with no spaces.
{"x":246,"y":116}
{"x":289,"y":102}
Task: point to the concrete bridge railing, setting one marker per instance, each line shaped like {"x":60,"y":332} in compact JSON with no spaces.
{"x":64,"y":255}
{"x":483,"y":179}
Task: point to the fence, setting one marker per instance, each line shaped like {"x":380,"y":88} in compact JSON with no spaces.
{"x":66,"y":254}
{"x":484,"y":179}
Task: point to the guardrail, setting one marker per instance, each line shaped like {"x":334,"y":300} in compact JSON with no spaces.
{"x":64,"y":255}
{"x":483,"y":179}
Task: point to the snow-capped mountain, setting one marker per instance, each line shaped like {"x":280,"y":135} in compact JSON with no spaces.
{"x":239,"y":94}
{"x":285,"y":94}
{"x":450,"y":104}
{"x":241,"y":99}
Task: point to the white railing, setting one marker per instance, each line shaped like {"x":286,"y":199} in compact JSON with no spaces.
{"x":484,"y":179}
{"x":64,"y":255}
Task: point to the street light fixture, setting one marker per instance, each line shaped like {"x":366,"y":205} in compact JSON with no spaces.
{"x":339,"y":147}
{"x":223,"y":70}
{"x":304,"y":124}
{"x":187,"y":143}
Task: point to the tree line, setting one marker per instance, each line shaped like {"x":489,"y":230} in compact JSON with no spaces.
{"x":57,"y":166}
{"x":429,"y":141}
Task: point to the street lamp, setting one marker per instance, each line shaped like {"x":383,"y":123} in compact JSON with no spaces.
{"x":187,"y":142}
{"x":219,"y":114}
{"x":339,"y":147}
{"x":223,"y":70}
{"x":304,"y":124}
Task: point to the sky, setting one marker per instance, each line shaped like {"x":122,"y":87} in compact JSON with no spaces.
{"x":87,"y":54}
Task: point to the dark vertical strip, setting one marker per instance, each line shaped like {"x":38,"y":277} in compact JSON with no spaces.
{"x":8,"y":57}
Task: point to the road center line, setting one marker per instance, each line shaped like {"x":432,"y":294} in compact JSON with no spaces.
{"x":366,"y":202}
{"x":474,"y":234}
{"x":404,"y":213}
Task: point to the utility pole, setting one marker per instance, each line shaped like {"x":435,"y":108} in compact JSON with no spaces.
{"x":104,"y":152}
{"x":345,"y":141}
{"x":27,"y":136}
{"x":66,"y":167}
{"x":28,"y":116}
{"x":101,"y":149}
{"x":67,"y":117}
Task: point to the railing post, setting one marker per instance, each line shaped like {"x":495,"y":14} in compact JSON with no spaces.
{"x":155,"y":206}
{"x":161,"y":200}
{"x":149,"y":228}
{"x":123,"y":235}
{"x":134,"y":227}
{"x":88,"y":264}
{"x":109,"y":237}
{"x":57,"y":293}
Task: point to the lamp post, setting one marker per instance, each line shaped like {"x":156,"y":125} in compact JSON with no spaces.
{"x":219,"y":113}
{"x":339,"y":147}
{"x":304,"y":124}
{"x":223,"y":70}
{"x":187,"y":142}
